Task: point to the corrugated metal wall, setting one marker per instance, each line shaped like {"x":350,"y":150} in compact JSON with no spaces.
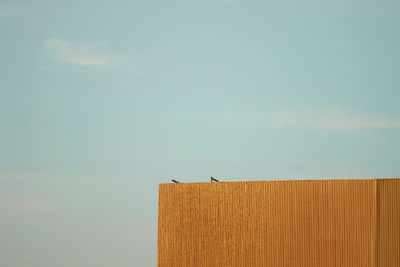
{"x":389,"y":223}
{"x":273,"y":223}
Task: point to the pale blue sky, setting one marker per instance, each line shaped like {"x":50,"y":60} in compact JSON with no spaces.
{"x":100,"y":101}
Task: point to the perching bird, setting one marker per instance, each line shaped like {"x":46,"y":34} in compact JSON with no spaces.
{"x":175,"y":181}
{"x":213,"y":179}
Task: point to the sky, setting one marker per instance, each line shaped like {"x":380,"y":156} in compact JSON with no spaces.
{"x":100,"y":101}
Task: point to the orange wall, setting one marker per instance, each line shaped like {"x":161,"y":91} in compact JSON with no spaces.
{"x":389,"y":222}
{"x":275,"y":223}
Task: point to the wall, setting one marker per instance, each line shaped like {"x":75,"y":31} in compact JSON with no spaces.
{"x":388,"y":223}
{"x":271,"y":223}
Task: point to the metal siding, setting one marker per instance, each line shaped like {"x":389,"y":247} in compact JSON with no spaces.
{"x":269,"y":223}
{"x":389,"y":223}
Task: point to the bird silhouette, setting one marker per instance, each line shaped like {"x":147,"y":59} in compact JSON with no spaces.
{"x":213,"y":179}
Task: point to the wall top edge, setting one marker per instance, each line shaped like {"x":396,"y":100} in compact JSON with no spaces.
{"x":282,"y":181}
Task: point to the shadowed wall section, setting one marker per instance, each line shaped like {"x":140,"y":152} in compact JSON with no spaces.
{"x":276,"y":223}
{"x":389,"y":223}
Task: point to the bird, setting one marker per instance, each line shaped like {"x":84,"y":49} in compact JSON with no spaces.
{"x":175,"y":181}
{"x":213,"y":179}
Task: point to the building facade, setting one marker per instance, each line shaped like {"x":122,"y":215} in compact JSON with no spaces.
{"x":308,"y":223}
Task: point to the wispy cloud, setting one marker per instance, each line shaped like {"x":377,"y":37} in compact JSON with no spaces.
{"x":91,"y":54}
{"x":332,"y":118}
{"x":329,"y":118}
{"x":77,"y":53}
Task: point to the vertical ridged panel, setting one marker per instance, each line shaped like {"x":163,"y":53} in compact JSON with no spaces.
{"x":389,"y":223}
{"x":269,"y":223}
